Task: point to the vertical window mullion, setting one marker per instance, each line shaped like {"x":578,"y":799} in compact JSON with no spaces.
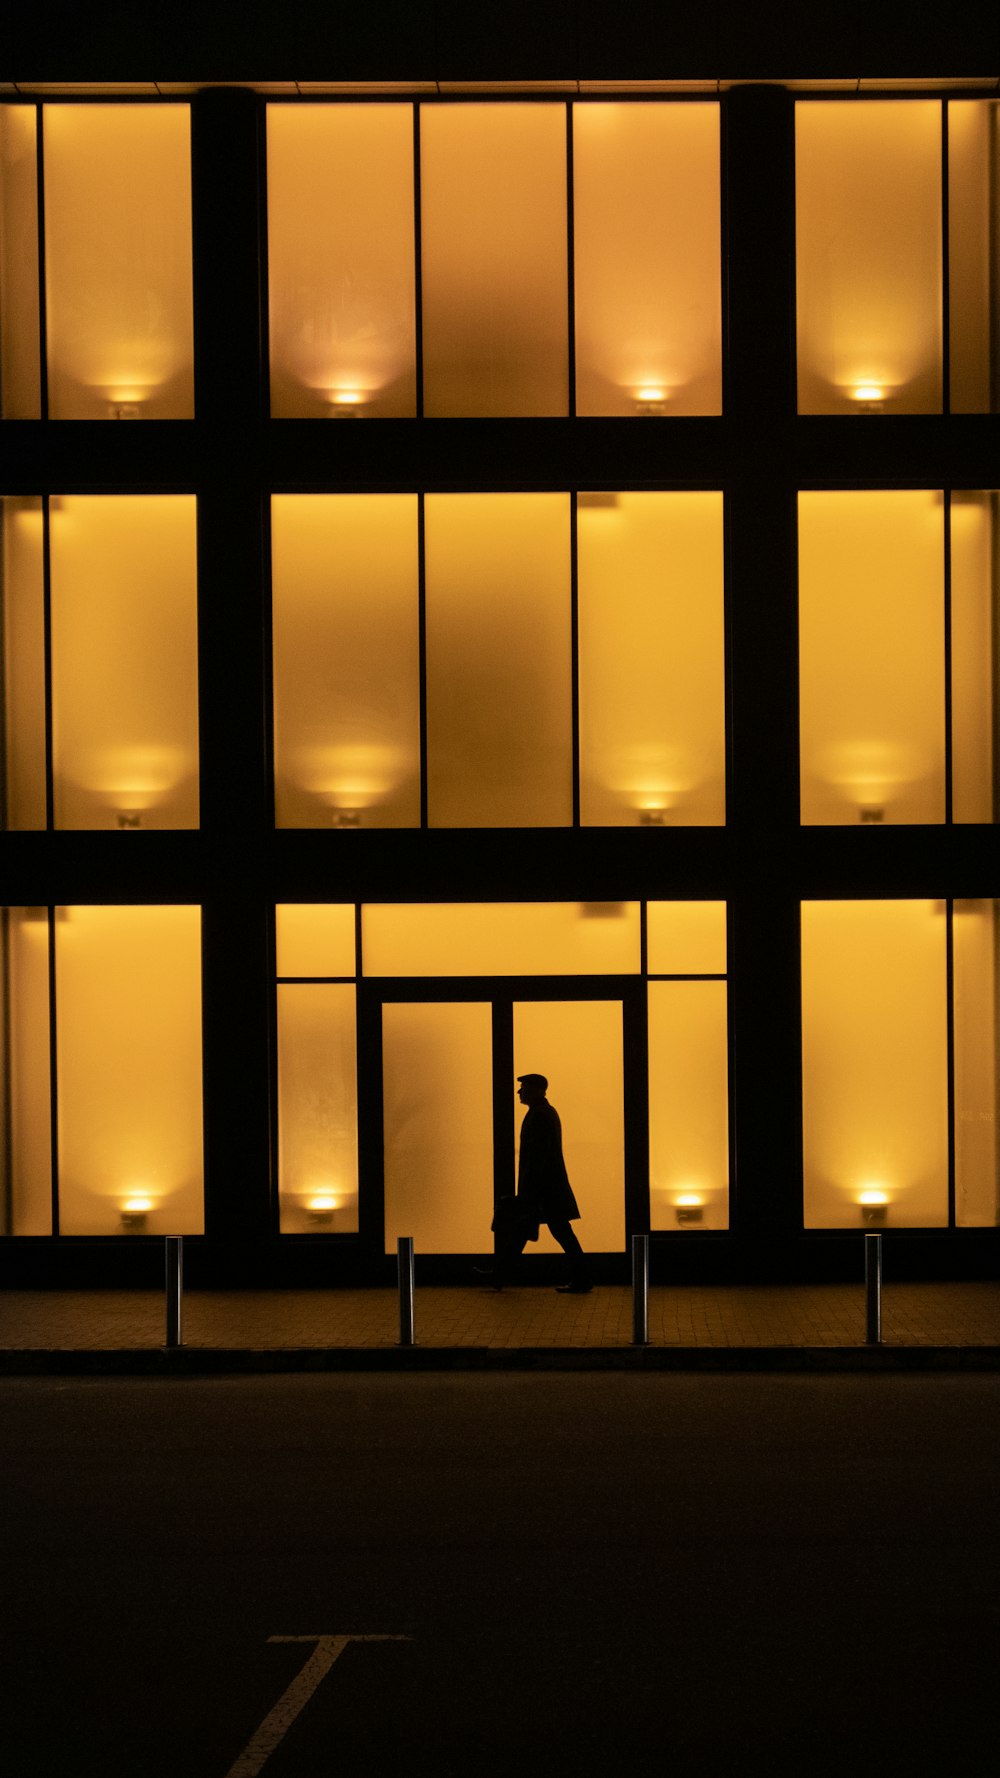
{"x":945,"y":269}
{"x":422,"y":654}
{"x":574,"y":646}
{"x":418,"y":313}
{"x":47,"y":664}
{"x":53,"y":1072}
{"x":43,"y":350}
{"x":950,"y":992}
{"x":570,"y":267}
{"x":948,"y":751}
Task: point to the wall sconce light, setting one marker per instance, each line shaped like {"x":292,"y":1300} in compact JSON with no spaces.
{"x":345,"y":817}
{"x":128,"y":818}
{"x":870,"y":398}
{"x":652,"y":818}
{"x":689,"y":1208}
{"x":134,"y":1212}
{"x":650,"y":401}
{"x":321,"y":1209}
{"x":871,"y":817}
{"x":124,"y":410}
{"x":346,"y":404}
{"x":873,"y":1203}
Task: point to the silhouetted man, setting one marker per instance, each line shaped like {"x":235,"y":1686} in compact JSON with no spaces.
{"x":544,"y":1193}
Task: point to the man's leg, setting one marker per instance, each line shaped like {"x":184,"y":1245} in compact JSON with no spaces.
{"x":579,"y":1278}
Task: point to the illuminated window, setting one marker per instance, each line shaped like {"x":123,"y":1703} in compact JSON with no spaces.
{"x":437,"y":1107}
{"x":494,"y":259}
{"x":688,"y":1066}
{"x":346,"y":660}
{"x":118,"y":261}
{"x":875,"y":1063}
{"x":869,"y":256}
{"x":501,"y":938}
{"x":652,"y":678}
{"x":341,"y":260}
{"x":22,"y":594}
{"x":25,"y":1074}
{"x":317,"y":1069}
{"x":975,"y":603}
{"x":976,"y":929}
{"x":20,"y":356}
{"x":647,"y":252}
{"x":974,"y":254}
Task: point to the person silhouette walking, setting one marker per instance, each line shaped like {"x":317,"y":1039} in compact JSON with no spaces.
{"x":544,"y":1193}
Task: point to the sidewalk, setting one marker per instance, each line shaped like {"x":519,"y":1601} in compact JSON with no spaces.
{"x":738,"y":1326}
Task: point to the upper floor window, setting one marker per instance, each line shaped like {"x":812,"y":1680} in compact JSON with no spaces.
{"x":110,"y":333}
{"x":516,"y":313}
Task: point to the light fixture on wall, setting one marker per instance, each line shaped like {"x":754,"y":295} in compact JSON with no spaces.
{"x":873,"y":1204}
{"x":346,"y":404}
{"x":650,"y":401}
{"x":652,"y":817}
{"x":870,"y":398}
{"x":128,"y":819}
{"x":345,"y":817}
{"x":689,"y":1208}
{"x":321,"y":1209}
{"x":871,"y":815}
{"x":134,"y":1212}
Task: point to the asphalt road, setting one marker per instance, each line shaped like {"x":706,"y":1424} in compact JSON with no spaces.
{"x":719,"y":1575}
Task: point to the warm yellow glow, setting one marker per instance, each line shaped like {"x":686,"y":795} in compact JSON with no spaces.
{"x":493,"y":253}
{"x":20,"y":375}
{"x":577,"y":1045}
{"x":975,"y":600}
{"x":686,"y":937}
{"x":22,"y":645}
{"x":438,"y":1126}
{"x":346,"y":658}
{"x":314,"y":938}
{"x":972,"y":225}
{"x":868,"y":255}
{"x":688,"y":1105}
{"x":124,"y":660}
{"x":498,"y":660}
{"x":341,"y":259}
{"x":652,"y":658}
{"x":501,"y":938}
{"x":128,"y":994}
{"x":647,"y":259}
{"x":875,"y":1061}
{"x":118,"y":261}
{"x":317,"y":1105}
{"x":871,"y":656}
{"x":977,"y":1175}
{"x":26,"y":1201}
{"x":873,"y":1196}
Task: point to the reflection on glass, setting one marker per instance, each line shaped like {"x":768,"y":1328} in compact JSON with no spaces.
{"x":652,"y":659}
{"x":118,"y":261}
{"x":124,"y":661}
{"x":493,"y":256}
{"x":686,"y":937}
{"x":346,"y":660}
{"x":317,"y":1108}
{"x":976,"y":954}
{"x":128,"y":1031}
{"x":875,"y":1063}
{"x":647,"y":259}
{"x":498,"y":660}
{"x":437,"y":1063}
{"x":314,"y":938}
{"x":501,"y":938}
{"x":688,"y":1106}
{"x":975,"y":585}
{"x":868,"y":256}
{"x":23,"y":640}
{"x":341,"y":260}
{"x":974,"y":254}
{"x":871,"y":657}
{"x":25,"y":1149}
{"x":577,"y":1045}
{"x":20,"y":356}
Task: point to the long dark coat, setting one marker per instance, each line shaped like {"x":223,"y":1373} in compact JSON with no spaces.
{"x":543,"y":1186}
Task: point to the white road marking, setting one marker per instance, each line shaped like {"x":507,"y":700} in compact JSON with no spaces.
{"x":278,"y":1721}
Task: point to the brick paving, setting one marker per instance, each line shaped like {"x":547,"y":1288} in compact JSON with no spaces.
{"x":535,"y":1317}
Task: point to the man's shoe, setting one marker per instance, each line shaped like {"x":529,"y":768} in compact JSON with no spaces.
{"x":486,"y":1276}
{"x":579,"y":1287}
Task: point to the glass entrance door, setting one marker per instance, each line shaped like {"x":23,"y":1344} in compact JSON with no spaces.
{"x":450,"y":1117}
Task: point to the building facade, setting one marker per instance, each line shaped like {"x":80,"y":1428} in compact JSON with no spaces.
{"x":389,"y":712}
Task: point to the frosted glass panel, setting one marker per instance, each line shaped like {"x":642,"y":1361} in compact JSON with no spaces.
{"x":577,"y":1045}
{"x":652,"y":660}
{"x":977,"y":1186}
{"x":346,"y":660}
{"x":974,"y":590}
{"x":25,"y":1153}
{"x":20,"y":356}
{"x":314,"y":938}
{"x":128,"y":1028}
{"x":647,"y":259}
{"x":868,"y":256}
{"x":438,"y":1131}
{"x":875,"y":1063}
{"x":124,"y":661}
{"x":494,"y":262}
{"x":23,"y":605}
{"x":871,"y":656}
{"x":686,"y":937}
{"x":317,"y":1109}
{"x":118,"y":261}
{"x":688,"y":1106}
{"x":501,"y":938}
{"x":973,"y":254}
{"x":341,"y":260}
{"x":498,"y":660}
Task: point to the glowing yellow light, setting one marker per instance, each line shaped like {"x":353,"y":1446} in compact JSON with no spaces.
{"x":650,"y":393}
{"x":322,"y":1203}
{"x":869,"y":393}
{"x":689,"y":1201}
{"x":873,"y":1196}
{"x":136,"y":1206}
{"x":347,"y":398}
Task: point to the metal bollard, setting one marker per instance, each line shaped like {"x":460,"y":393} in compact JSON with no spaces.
{"x":873,"y":1290}
{"x":404,"y":1263}
{"x":640,"y":1290}
{"x":175,"y":1289}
